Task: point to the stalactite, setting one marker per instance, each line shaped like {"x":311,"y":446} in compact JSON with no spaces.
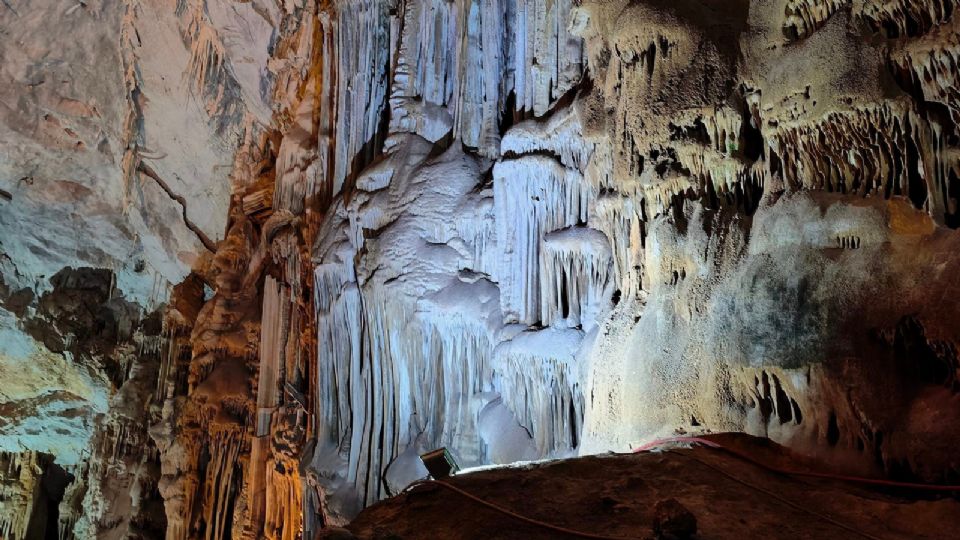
{"x":273,"y":481}
{"x":283,"y":502}
{"x":575,"y":273}
{"x":362,"y":341}
{"x":546,"y":59}
{"x":422,"y":74}
{"x":477,"y":227}
{"x":338,"y":307}
{"x":621,"y":221}
{"x":220,"y":484}
{"x":560,"y":135}
{"x":803,"y":17}
{"x":18,"y":491}
{"x":385,"y":378}
{"x":133,"y":125}
{"x":362,"y":47}
{"x":533,"y":195}
{"x":209,"y":67}
{"x":270,"y":355}
{"x":535,"y":373}
{"x":462,"y":65}
{"x":901,"y":18}
{"x":929,"y":66}
{"x":869,"y":153}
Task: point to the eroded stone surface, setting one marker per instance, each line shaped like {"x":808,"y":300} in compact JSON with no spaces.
{"x":628,"y":496}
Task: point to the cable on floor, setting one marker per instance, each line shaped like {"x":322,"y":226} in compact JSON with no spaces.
{"x":783,"y":500}
{"x":505,"y":511}
{"x":788,"y":472}
{"x":717,"y":446}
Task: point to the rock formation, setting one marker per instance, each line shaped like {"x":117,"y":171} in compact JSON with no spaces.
{"x":258,"y":256}
{"x":639,"y":496}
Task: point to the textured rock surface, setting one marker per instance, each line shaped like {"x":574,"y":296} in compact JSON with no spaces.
{"x":632,"y":496}
{"x":119,"y":122}
{"x":257,"y":256}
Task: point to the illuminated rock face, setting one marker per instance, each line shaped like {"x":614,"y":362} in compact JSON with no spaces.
{"x":119,"y":125}
{"x":258,"y":256}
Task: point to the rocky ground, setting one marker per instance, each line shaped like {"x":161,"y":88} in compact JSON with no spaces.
{"x":623,"y":495}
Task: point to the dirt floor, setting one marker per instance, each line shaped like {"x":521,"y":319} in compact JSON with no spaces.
{"x":623,"y":495}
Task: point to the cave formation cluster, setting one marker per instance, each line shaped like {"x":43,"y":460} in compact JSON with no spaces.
{"x":257,"y":256}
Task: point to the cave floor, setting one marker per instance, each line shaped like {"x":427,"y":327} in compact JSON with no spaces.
{"x":615,"y":495}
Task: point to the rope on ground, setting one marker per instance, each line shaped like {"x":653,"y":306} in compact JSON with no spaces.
{"x":788,"y":502}
{"x":717,"y":446}
{"x":771,"y":468}
{"x":531,"y":521}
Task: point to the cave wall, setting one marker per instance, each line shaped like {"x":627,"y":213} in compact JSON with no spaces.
{"x":519,"y":229}
{"x":120,"y":122}
{"x":722,"y":225}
